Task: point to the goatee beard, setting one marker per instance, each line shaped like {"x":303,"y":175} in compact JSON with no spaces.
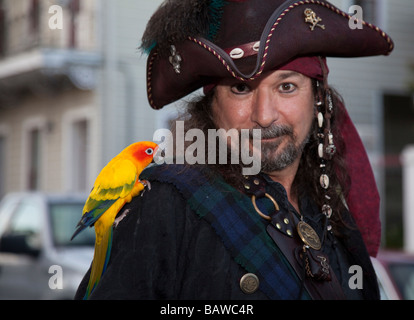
{"x":273,"y":159}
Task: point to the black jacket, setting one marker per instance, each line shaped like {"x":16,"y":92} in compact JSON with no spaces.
{"x":163,"y":250}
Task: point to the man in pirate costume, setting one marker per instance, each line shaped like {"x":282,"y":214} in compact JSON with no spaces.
{"x":293,"y":230}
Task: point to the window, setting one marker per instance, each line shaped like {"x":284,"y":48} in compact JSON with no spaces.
{"x":26,"y":219}
{"x":33,"y":173}
{"x":398,"y":133}
{"x":2,"y":166}
{"x":64,"y":217}
{"x":77,"y":129}
{"x":403,"y":275}
{"x":24,"y":233}
{"x":34,"y":17}
{"x":79,"y":154}
{"x":74,"y":7}
{"x":2,"y":30}
{"x":34,"y":159}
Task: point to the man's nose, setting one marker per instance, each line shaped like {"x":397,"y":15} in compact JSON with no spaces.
{"x":264,"y":109}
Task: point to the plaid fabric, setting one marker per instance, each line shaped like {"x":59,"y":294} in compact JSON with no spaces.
{"x":236,"y":222}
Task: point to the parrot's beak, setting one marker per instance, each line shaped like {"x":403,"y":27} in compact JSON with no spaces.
{"x":155,"y":154}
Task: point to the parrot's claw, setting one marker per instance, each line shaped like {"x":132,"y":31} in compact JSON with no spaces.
{"x":120,"y":218}
{"x":146,"y":184}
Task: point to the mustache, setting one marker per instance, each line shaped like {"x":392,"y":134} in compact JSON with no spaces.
{"x":274,"y":131}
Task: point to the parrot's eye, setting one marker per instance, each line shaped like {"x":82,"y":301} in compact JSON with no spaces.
{"x":149,"y":151}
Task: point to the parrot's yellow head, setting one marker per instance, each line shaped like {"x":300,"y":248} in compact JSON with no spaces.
{"x":143,"y":152}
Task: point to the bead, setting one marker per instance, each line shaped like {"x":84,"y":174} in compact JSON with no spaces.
{"x":256,"y":46}
{"x":236,"y":53}
{"x":330,"y":150}
{"x":330,"y":138}
{"x":320,"y":119}
{"x":330,"y":103}
{"x":320,"y":150}
{"x":324,"y":180}
{"x":327,"y":210}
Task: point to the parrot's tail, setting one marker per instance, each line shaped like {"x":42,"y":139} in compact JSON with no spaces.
{"x":103,"y":245}
{"x":100,"y":261}
{"x":77,"y":231}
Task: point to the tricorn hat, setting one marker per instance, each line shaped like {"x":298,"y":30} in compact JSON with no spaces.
{"x":193,"y":42}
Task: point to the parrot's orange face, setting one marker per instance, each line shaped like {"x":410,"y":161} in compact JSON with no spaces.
{"x":144,"y":152}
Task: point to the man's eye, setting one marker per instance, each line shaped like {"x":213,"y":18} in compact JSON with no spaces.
{"x":240,"y":88}
{"x":287,"y":87}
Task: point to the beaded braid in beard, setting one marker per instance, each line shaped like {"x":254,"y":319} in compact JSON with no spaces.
{"x":198,"y":115}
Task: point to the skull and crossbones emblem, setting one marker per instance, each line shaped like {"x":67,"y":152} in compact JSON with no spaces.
{"x":311,"y":18}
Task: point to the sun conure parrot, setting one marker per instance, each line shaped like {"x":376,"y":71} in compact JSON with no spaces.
{"x":116,"y":185}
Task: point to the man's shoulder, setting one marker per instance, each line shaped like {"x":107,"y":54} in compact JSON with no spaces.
{"x":185,"y":178}
{"x":156,"y":206}
{"x":163,"y":172}
{"x":168,"y":188}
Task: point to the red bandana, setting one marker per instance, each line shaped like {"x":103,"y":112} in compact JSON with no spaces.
{"x":309,"y":66}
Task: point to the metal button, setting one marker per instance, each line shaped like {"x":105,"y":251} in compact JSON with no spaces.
{"x":249,"y":283}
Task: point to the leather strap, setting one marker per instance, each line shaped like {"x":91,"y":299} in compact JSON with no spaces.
{"x":318,"y":290}
{"x":244,"y":50}
{"x":283,"y":232}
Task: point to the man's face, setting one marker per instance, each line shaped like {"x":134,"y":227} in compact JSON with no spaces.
{"x":280,"y":103}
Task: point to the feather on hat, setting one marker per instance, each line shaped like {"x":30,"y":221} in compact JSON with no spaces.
{"x":181,"y":19}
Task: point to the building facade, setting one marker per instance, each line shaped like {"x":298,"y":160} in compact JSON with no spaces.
{"x":72,"y":90}
{"x":48,"y":60}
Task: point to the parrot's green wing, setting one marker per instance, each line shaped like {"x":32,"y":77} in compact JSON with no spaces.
{"x":115,"y":181}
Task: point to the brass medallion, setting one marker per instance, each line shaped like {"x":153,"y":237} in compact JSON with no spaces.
{"x":308,"y":235}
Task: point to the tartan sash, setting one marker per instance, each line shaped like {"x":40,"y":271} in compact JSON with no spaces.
{"x":240,"y":228}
